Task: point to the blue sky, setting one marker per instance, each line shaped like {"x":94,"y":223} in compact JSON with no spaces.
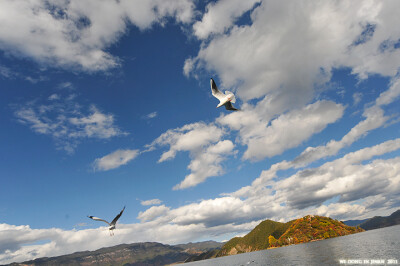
{"x":106,"y":104}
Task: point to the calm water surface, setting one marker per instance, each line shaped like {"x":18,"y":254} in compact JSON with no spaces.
{"x":375,"y":247}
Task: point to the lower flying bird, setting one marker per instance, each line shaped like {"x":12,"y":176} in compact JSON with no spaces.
{"x":224,"y":99}
{"x":112,"y":224}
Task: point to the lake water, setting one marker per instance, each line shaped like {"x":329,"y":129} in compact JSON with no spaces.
{"x":374,"y":247}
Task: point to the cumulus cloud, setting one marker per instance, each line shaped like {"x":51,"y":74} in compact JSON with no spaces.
{"x":220,"y":16}
{"x":334,"y":174}
{"x":389,"y":95}
{"x":290,"y":130}
{"x":341,"y":211}
{"x":266,"y":139}
{"x":152,"y":213}
{"x":77,"y":33}
{"x":62,"y":118}
{"x":207,"y":163}
{"x":374,"y":118}
{"x":272,"y":71}
{"x":271,"y":67}
{"x":272,"y":60}
{"x":151,"y":202}
{"x":346,"y":179}
{"x":205,"y":147}
{"x":115,"y":159}
{"x":21,"y":243}
{"x":190,"y":137}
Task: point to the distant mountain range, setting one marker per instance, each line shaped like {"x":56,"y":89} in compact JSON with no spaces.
{"x":268,"y":234}
{"x":137,"y":254}
{"x":354,"y":222}
{"x":376,"y":222}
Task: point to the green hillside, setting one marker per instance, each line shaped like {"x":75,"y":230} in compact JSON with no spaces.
{"x":311,"y":228}
{"x":257,"y":239}
{"x":270,"y":234}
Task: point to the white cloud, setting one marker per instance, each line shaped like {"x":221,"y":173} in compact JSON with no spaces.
{"x":115,"y":159}
{"x":207,"y":163}
{"x":341,"y":210}
{"x":357,"y":98}
{"x":333,"y":174}
{"x":271,"y":66}
{"x":54,"y":96}
{"x":391,"y":94}
{"x":96,"y":125}
{"x":20,"y":243}
{"x":266,"y":139}
{"x":374,"y":118}
{"x":77,"y":33}
{"x":188,"y":66}
{"x":152,"y":213}
{"x":190,"y":137}
{"x":272,"y":53}
{"x":66,"y":121}
{"x":218,"y":212}
{"x":151,"y":202}
{"x":220,"y":16}
{"x":347,"y":179}
{"x":289,"y":130}
{"x":151,"y":115}
{"x":205,"y":147}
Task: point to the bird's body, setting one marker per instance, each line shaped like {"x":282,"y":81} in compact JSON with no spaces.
{"x":224,"y":99}
{"x":113,"y":222}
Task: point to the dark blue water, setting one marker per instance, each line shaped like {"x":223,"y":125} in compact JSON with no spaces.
{"x":375,"y":247}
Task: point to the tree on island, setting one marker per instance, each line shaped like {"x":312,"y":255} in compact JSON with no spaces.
{"x":272,"y":240}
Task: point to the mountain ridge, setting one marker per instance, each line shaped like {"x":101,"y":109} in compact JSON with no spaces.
{"x":376,"y":221}
{"x":267,"y":234}
{"x":381,"y":221}
{"x":135,"y":254}
{"x":270,"y":234}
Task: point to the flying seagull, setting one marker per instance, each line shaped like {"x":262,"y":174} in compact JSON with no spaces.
{"x":224,"y":99}
{"x":112,"y":224}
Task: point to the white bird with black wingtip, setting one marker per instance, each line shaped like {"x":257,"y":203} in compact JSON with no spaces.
{"x":112,"y":224}
{"x":224,"y":99}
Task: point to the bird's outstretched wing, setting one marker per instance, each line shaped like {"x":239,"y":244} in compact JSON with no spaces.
{"x":117,"y":217}
{"x":215,"y":91}
{"x":98,"y":219}
{"x":229,"y":106}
